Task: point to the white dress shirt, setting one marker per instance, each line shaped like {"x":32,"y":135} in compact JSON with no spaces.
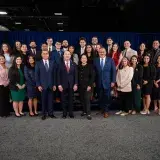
{"x":33,"y":51}
{"x":82,"y":50}
{"x":104,"y":60}
{"x":68,"y":63}
{"x":44,"y":61}
{"x":51,"y":49}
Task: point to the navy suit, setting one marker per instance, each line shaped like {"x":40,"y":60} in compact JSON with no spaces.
{"x":67,"y":80}
{"x":104,"y":78}
{"x":46,"y":79}
{"x":56,"y":56}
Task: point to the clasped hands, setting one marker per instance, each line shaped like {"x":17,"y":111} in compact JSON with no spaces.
{"x":21,"y":87}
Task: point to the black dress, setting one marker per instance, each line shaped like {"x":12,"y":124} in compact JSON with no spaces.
{"x":156,"y":91}
{"x":149,"y":74}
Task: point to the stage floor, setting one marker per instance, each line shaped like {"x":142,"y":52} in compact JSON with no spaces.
{"x":134,"y":137}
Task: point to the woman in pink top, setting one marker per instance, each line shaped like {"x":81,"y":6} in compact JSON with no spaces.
{"x":4,"y":90}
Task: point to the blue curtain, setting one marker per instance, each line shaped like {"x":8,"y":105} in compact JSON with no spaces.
{"x":73,"y":37}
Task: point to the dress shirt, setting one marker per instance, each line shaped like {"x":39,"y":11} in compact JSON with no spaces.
{"x":44,"y":61}
{"x":82,"y":50}
{"x":68,"y":63}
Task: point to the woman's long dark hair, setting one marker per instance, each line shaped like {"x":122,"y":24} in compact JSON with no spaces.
{"x":14,"y":67}
{"x":9,"y":49}
{"x":92,"y":51}
{"x":28,"y":64}
{"x":118,"y":50}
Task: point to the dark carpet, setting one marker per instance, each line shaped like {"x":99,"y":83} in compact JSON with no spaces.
{"x":115,"y":138}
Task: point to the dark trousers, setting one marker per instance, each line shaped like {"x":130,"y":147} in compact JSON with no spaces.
{"x":125,"y":99}
{"x":4,"y":101}
{"x":47,"y":101}
{"x":85,"y":100}
{"x":67,"y":100}
{"x":136,"y":95}
{"x":104,"y":97}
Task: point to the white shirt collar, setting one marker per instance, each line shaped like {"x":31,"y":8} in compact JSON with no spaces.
{"x":44,"y":61}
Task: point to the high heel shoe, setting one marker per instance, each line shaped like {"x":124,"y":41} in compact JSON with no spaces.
{"x":145,"y":112}
{"x":18,"y":116}
{"x":22,"y":114}
{"x":36,"y":114}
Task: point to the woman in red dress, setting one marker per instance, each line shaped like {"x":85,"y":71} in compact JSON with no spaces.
{"x":115,"y":55}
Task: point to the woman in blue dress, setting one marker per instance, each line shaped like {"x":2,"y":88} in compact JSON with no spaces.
{"x":29,"y":72}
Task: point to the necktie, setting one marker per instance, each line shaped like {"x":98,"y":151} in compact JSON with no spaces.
{"x":102,"y":63}
{"x":125,"y":53}
{"x":46,"y":66}
{"x":49,"y":49}
{"x":34,"y":53}
{"x":67,"y":66}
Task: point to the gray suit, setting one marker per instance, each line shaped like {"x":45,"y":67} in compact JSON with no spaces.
{"x":129,"y":53}
{"x":154,"y":55}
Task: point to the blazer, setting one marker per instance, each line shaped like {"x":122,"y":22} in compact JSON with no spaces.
{"x":56,"y":56}
{"x":137,"y":76}
{"x":29,"y":74}
{"x":130,"y":52}
{"x":154,"y":55}
{"x":14,"y":79}
{"x":43,"y":78}
{"x":64,"y":78}
{"x":86,"y":76}
{"x":124,"y":78}
{"x":106,"y":76}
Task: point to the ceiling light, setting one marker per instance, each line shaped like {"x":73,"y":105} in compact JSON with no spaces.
{"x":60,"y":23}
{"x":17,"y":22}
{"x":58,"y":14}
{"x":3,"y":12}
{"x":61,"y":30}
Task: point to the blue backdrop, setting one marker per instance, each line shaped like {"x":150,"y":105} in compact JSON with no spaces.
{"x":72,"y":37}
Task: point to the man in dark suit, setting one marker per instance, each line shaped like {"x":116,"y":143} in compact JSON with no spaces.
{"x":34,"y":52}
{"x":109,"y":43}
{"x":50,"y":44}
{"x":67,"y":80}
{"x":65,"y":45}
{"x":81,"y":49}
{"x":105,"y":79}
{"x":57,"y":54}
{"x":46,"y":82}
{"x":154,"y":52}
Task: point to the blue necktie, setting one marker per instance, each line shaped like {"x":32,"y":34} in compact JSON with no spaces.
{"x":46,"y":66}
{"x":102,"y":64}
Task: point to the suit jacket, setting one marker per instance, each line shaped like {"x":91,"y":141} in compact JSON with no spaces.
{"x":78,"y":51}
{"x":56,"y":56}
{"x":43,"y":78}
{"x":106,"y":76}
{"x":86,"y":76}
{"x":37,"y":56}
{"x":66,"y":79}
{"x":154,"y":55}
{"x":14,"y":78}
{"x":137,"y":76}
{"x":130,"y":52}
{"x":29,"y":74}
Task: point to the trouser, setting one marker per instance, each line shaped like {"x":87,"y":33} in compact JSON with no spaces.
{"x":67,"y":98}
{"x":104,"y":97}
{"x":85,"y":100}
{"x":47,"y":101}
{"x":125,"y":99}
{"x":136,"y":95}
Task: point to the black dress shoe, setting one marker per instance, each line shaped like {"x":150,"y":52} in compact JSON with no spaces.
{"x":64,"y":117}
{"x":83,"y":114}
{"x":52,"y":116}
{"x":71,"y":116}
{"x":43,"y":117}
{"x":89,"y":117}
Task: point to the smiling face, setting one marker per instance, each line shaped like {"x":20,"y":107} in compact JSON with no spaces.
{"x":5,"y":48}
{"x":127,"y":44}
{"x":18,"y":60}
{"x":31,"y":60}
{"x":134,"y":60}
{"x":156,"y":44}
{"x":146,"y":59}
{"x":67,"y":56}
{"x":84,"y":59}
{"x":102,"y":52}
{"x":124,"y":62}
{"x":2,"y":60}
{"x":24,"y":48}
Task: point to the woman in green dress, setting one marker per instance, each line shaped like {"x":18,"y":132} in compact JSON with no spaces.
{"x":17,"y":86}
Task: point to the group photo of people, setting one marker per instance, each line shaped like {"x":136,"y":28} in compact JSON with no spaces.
{"x":59,"y":70}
